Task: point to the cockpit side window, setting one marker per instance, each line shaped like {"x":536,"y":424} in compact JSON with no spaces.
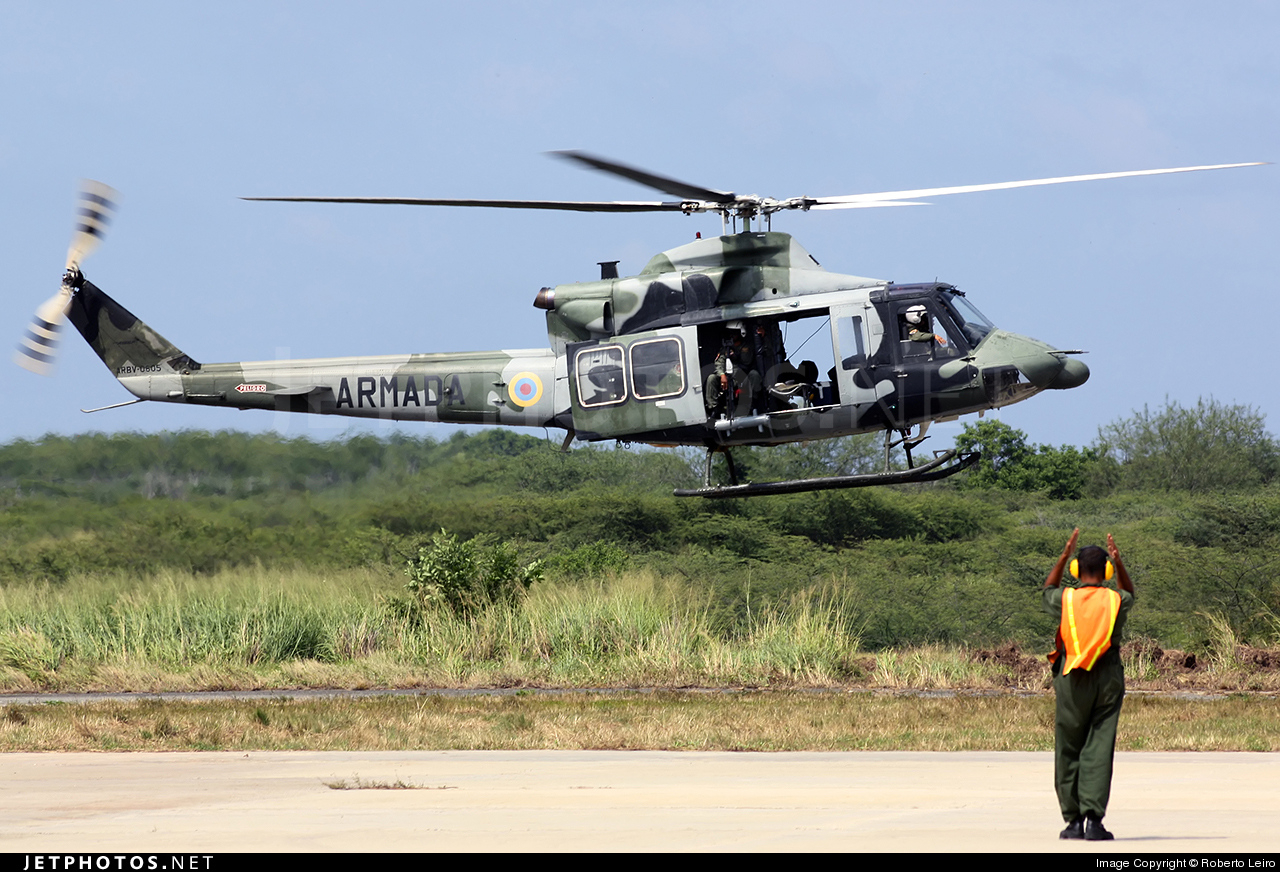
{"x":956,"y":345}
{"x":973,"y":324}
{"x":926,"y":331}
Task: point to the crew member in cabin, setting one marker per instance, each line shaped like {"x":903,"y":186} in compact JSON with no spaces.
{"x":734,"y":382}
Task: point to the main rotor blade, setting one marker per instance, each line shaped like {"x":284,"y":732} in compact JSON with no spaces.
{"x":94,"y":211}
{"x":562,"y":205}
{"x":864,"y":204}
{"x":648,"y":179}
{"x":855,"y":200}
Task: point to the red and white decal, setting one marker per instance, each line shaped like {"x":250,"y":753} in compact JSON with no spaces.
{"x":252,"y":388}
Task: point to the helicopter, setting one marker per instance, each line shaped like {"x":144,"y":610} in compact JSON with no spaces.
{"x":694,"y":350}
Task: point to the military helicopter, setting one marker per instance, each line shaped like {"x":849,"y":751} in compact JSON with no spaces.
{"x":697,"y":349}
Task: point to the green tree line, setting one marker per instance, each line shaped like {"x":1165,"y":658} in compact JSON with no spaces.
{"x":1211,"y":447}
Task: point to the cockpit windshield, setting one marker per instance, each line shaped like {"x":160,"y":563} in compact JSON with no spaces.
{"x":973,"y":323}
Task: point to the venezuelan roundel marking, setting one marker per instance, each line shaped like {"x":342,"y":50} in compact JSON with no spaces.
{"x":525,"y":389}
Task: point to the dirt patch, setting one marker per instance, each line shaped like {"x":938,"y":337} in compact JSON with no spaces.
{"x":1177,"y":661}
{"x":864,"y":667}
{"x":1171,"y":661}
{"x":1258,"y":658}
{"x":1024,"y":668}
{"x":1149,"y":667}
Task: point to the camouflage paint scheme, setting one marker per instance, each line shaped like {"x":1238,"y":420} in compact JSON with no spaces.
{"x":765,"y":276}
{"x":676,"y":307}
{"x":456,"y":388}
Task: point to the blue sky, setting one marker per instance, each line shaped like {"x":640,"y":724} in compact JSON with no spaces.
{"x":1167,"y":281}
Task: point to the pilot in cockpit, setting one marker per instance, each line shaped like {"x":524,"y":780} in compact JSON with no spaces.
{"x":918,"y":327}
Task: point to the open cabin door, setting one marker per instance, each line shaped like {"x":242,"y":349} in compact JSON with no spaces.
{"x":636,"y":384}
{"x":859,"y":334}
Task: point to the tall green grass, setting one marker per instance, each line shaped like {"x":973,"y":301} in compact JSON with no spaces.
{"x":258,"y":627}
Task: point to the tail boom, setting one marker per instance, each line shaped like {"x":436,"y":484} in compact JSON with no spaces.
{"x":515,"y":388}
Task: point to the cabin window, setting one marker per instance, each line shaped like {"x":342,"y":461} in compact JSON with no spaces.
{"x":852,"y":348}
{"x":601,"y":380}
{"x":656,"y":369}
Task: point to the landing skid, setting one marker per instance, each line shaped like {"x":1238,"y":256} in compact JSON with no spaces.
{"x":939,"y":468}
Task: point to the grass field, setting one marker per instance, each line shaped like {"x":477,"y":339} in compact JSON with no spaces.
{"x":792,"y":675}
{"x":269,"y":629}
{"x":739,"y":721}
{"x":199,"y":561}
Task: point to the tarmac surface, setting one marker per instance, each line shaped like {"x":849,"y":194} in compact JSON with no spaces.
{"x":1162,"y":803}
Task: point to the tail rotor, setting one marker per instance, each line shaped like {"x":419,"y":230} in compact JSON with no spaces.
{"x":37,"y":349}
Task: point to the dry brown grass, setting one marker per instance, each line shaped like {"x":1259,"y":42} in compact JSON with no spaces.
{"x":775,"y":721}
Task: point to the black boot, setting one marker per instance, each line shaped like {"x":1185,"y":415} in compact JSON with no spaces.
{"x":1094,"y":831}
{"x":1074,"y":830}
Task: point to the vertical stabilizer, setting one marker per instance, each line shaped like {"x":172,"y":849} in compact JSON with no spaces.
{"x":126,"y":345}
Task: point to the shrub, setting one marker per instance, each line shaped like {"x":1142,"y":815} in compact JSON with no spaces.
{"x":465,"y":576}
{"x":1009,"y":462}
{"x":592,"y":560}
{"x":1212,"y":446}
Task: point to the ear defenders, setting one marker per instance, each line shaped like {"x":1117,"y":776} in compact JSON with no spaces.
{"x":1075,"y":570}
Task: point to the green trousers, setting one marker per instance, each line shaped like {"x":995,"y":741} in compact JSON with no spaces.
{"x":1088,"y":710}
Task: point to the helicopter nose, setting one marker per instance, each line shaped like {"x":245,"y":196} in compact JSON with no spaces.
{"x":1047,"y":370}
{"x":1041,"y":365}
{"x":1073,"y":374}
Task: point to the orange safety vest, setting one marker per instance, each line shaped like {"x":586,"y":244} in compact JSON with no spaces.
{"x":1088,"y":618}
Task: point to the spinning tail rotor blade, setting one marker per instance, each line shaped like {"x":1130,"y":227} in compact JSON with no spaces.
{"x":96,"y":208}
{"x":38,"y":346}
